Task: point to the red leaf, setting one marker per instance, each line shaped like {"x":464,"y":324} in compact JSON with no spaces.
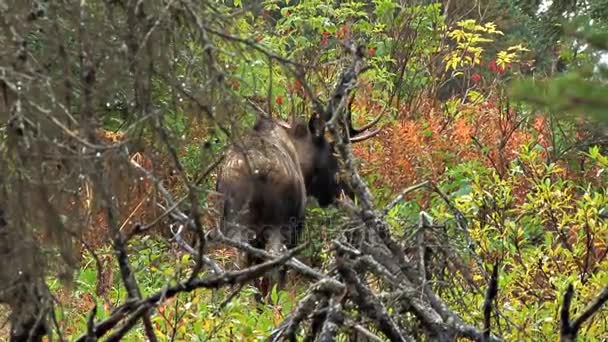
{"x":492,"y":66}
{"x":476,"y":77}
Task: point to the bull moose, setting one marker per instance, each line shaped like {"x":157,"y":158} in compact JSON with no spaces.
{"x":266,"y":178}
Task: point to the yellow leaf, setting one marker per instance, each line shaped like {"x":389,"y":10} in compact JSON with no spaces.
{"x":475,"y":96}
{"x":518,"y":47}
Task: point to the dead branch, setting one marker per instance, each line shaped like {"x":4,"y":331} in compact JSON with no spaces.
{"x":138,"y":308}
{"x":450,"y":325}
{"x":293,"y":263}
{"x":331,"y":324}
{"x":402,"y":195}
{"x":368,"y":303}
{"x":570,"y":328}
{"x":487,"y":304}
{"x":90,"y":336}
{"x":290,"y":325}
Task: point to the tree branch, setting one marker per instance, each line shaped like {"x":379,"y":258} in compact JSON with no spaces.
{"x":487,"y":304}
{"x":140,"y":307}
{"x":570,"y":328}
{"x":368,"y":304}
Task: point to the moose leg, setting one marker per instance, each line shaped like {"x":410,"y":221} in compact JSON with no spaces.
{"x":28,"y":313}
{"x":232,"y":228}
{"x":275,"y":245}
{"x":242,"y":259}
{"x":22,"y":292}
{"x":291,"y":238}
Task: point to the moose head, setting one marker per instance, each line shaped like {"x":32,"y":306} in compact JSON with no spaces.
{"x":317,"y":155}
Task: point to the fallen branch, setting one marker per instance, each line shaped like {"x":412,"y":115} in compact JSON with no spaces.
{"x":331,"y":323}
{"x":293,"y":263}
{"x":289,"y":327}
{"x":449,"y":325}
{"x":369,"y":304}
{"x":140,"y":307}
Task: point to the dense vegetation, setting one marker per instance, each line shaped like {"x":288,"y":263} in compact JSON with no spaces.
{"x":488,"y":174}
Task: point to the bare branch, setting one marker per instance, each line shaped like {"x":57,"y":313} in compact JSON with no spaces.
{"x":90,"y":337}
{"x":567,"y":332}
{"x":293,"y":263}
{"x":332,"y":321}
{"x":487,"y":304}
{"x":596,"y":304}
{"x":140,"y":307}
{"x":290,"y":325}
{"x":402,"y":195}
{"x":368,"y":303}
{"x":570,"y":328}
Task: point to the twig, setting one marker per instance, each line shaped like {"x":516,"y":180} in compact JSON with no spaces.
{"x":317,"y":320}
{"x":130,"y":323}
{"x":141,"y":307}
{"x":362,"y":330}
{"x":424,"y":221}
{"x":331,"y":324}
{"x":591,"y":309}
{"x":183,"y":244}
{"x":401,"y":195}
{"x":90,"y":337}
{"x":294,"y":263}
{"x":369,"y":304}
{"x":289,"y":326}
{"x":487,"y":304}
{"x":567,"y":332}
{"x":229,"y":298}
{"x":569,"y":328}
{"x":115,"y":317}
{"x":461,"y":223}
{"x":192,"y":196}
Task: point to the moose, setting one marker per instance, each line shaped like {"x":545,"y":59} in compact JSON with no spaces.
{"x":266,"y":178}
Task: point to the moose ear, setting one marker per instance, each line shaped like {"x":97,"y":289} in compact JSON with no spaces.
{"x":316,"y":126}
{"x":300,"y":130}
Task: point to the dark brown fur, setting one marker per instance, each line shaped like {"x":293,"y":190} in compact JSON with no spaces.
{"x":266,"y":178}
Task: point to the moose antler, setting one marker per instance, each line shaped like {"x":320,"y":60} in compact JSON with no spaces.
{"x":360,"y":134}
